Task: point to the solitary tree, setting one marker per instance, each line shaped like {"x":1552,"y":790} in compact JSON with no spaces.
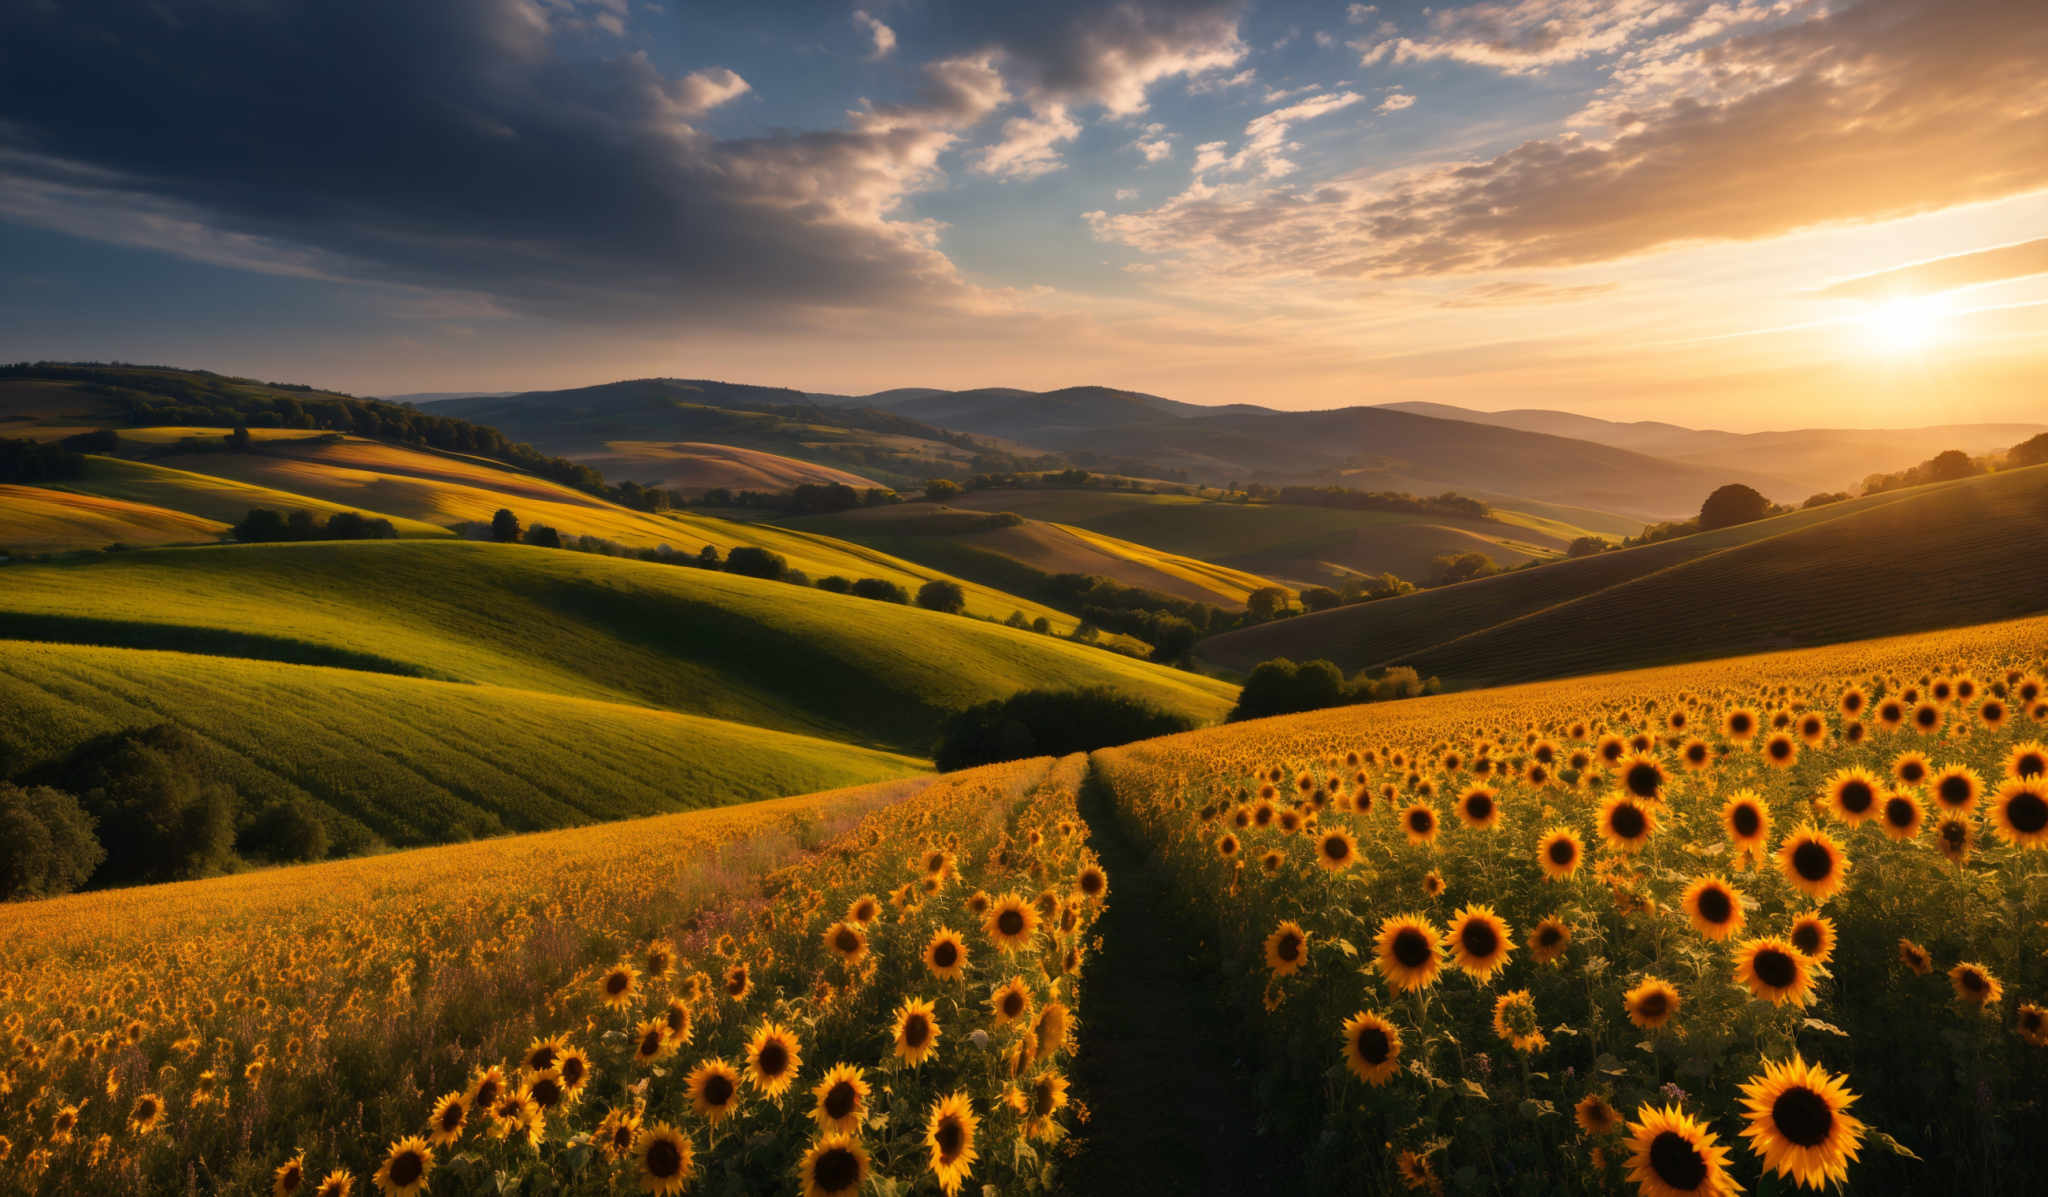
{"x":941,"y":595}
{"x":1731,"y":505}
{"x":505,"y":526}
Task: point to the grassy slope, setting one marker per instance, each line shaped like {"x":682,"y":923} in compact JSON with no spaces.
{"x":37,"y":520}
{"x":210,"y":497}
{"x":412,"y":761}
{"x":708,"y":643}
{"x":1301,"y":545}
{"x":1930,"y":557}
{"x":699,"y":466}
{"x":949,"y":538}
{"x":446,"y":489}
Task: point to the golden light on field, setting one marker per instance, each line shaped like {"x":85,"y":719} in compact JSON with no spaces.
{"x":1907,"y":324}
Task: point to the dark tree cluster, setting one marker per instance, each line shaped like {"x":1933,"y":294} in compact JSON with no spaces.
{"x":32,"y":463}
{"x":264,"y":525}
{"x":1281,"y":687}
{"x":1050,"y":723}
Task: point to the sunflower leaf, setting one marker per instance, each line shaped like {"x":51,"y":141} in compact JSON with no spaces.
{"x":1815,"y":1024}
{"x":1477,"y":1090}
{"x":1345,"y":946}
{"x":1897,"y":1147}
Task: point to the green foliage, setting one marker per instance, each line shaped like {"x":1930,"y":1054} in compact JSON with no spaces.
{"x":1281,"y":687}
{"x":2030,"y":452}
{"x":1586,"y":546}
{"x":505,"y":526}
{"x":752,"y":561}
{"x":291,"y":829}
{"x":542,"y":536}
{"x":938,"y":490}
{"x":263,"y":525}
{"x":1448,"y":569}
{"x":47,"y":845}
{"x":881,"y":589}
{"x":1050,"y":723}
{"x":34,"y":463}
{"x":159,"y":809}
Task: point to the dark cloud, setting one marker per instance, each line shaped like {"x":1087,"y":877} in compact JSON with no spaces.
{"x":1946,"y":274}
{"x":455,"y":144}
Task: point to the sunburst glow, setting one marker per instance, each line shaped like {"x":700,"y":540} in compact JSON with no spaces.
{"x":1908,"y":324}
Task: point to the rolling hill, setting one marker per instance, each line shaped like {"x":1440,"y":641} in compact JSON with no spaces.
{"x":35,"y":519}
{"x":1809,"y":460}
{"x":694,"y":467}
{"x":395,"y":760}
{"x":1909,"y":560}
{"x":1298,"y":545}
{"x":582,"y":625}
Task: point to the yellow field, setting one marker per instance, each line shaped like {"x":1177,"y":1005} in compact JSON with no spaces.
{"x":313,"y":1018}
{"x":1466,"y":930}
{"x":36,"y":520}
{"x":210,"y":497}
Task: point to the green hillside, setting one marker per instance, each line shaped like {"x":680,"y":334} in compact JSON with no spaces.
{"x":35,"y":519}
{"x":702,"y":642}
{"x":971,"y":544}
{"x":210,"y":497}
{"x":1904,"y":561}
{"x":411,"y":761}
{"x":1298,"y":545}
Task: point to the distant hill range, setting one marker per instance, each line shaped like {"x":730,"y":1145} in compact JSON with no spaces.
{"x":1816,"y":459}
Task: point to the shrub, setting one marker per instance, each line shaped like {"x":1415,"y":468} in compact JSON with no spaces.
{"x":46,"y":843}
{"x":160,"y":816}
{"x":752,"y":561}
{"x":1585,"y":546}
{"x":1281,"y":687}
{"x":941,"y":595}
{"x":1320,"y":598}
{"x":835,"y":584}
{"x":544,"y":537}
{"x":32,"y":462}
{"x":1449,"y":568}
{"x":504,"y":526}
{"x":286,"y":831}
{"x":938,"y":490}
{"x":1731,"y":505}
{"x":1049,"y":723}
{"x":880,"y":588}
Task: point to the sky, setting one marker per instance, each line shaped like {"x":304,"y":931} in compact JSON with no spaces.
{"x":1722,"y":213}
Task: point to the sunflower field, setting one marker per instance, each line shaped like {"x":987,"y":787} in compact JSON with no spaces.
{"x":869,"y":990}
{"x":1761,"y":925}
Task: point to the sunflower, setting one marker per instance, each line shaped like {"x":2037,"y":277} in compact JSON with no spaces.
{"x":1852,"y":793}
{"x":1595,"y":1115}
{"x":485,"y":1086}
{"x":1955,"y":836}
{"x":1559,"y":852}
{"x":618,"y":984}
{"x":1902,"y":815}
{"x":1643,"y":777}
{"x":1611,"y":750}
{"x":2026,"y":761}
{"x":1780,"y":750}
{"x":1799,"y":1124}
{"x":1652,"y":1003}
{"x":739,"y":981}
{"x":146,"y":1114}
{"x":1011,"y":922}
{"x":1747,"y":819}
{"x":1336,"y":850}
{"x":1714,"y":907}
{"x":1695,"y":754}
{"x":2032,"y":1024}
{"x":917,"y":1031}
{"x":444,"y":1125}
{"x":1740,"y":725}
{"x":846,"y":941}
{"x":652,"y":1042}
{"x":1915,"y":957}
{"x":1409,"y":952}
{"x":714,"y":1088}
{"x":1775,"y":971}
{"x":1226,"y":845}
{"x":1890,"y":714}
{"x":841,"y":1100}
{"x":1514,"y":1019}
{"x":1416,"y":1172}
{"x":1092,"y":883}
{"x":1813,"y":729}
{"x":337,"y":1183}
{"x":1975,"y":985}
{"x":1432,"y":884}
{"x":1047,"y":1098}
{"x":542,"y":1055}
{"x":1813,"y":862}
{"x":1051,"y":1030}
{"x":773,"y":1057}
{"x":835,"y":1164}
{"x":2019,"y":812}
{"x":1480,"y":942}
{"x":1626,"y":824}
{"x":615,"y":1134}
{"x":1372,"y":1047}
{"x":405,"y":1168}
{"x":1926,"y":718}
{"x":1420,"y":822}
{"x":290,"y":1176}
{"x":1010,"y":1001}
{"x":864,"y":909}
{"x":1956,"y":788}
{"x":1547,"y":941}
{"x":1814,"y":936}
{"x":662,"y":1157}
{"x":1286,"y":949}
{"x":1479,"y":807}
{"x":949,"y":1133}
{"x":1672,"y":1154}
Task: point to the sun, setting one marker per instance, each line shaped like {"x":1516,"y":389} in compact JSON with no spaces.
{"x":1907,"y":324}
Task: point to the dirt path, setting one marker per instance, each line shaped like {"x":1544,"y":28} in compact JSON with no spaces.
{"x":1169,"y":1107}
